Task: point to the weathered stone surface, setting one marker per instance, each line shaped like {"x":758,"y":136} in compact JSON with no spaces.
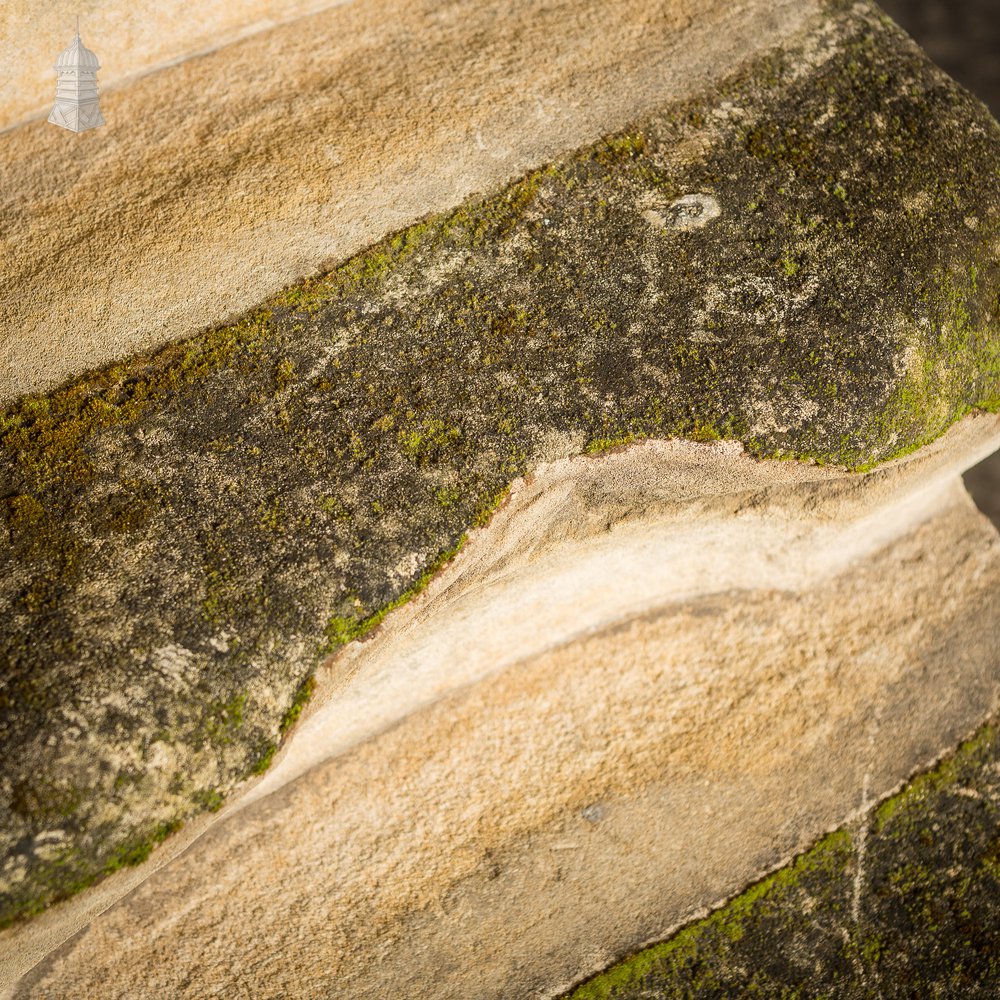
{"x":904,"y":904}
{"x":804,"y":259}
{"x":220,"y":180}
{"x":652,"y":678}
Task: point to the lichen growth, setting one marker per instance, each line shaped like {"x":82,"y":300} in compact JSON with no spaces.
{"x":341,"y":630}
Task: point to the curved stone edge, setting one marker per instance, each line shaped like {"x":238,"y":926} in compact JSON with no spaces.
{"x":713,"y":760}
{"x":562,"y":507}
{"x":222,"y":192}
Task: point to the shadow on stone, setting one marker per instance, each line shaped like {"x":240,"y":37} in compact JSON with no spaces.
{"x":961,"y":36}
{"x":983,"y":484}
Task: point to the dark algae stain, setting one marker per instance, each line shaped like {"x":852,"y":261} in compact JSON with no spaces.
{"x":804,"y":259}
{"x":919,"y":918}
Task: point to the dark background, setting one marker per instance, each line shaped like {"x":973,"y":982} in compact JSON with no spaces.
{"x":961,"y":36}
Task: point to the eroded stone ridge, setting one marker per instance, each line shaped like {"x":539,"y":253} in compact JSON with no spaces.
{"x":804,"y":259}
{"x":906,"y":899}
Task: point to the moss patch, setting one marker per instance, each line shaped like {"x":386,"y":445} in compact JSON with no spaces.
{"x":299,"y":702}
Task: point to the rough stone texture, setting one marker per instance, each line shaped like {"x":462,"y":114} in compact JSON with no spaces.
{"x":963,"y":37}
{"x":129,"y":38}
{"x":904,"y":904}
{"x":187,"y":533}
{"x":819,"y":634}
{"x":919,"y":916}
{"x":222,"y":179}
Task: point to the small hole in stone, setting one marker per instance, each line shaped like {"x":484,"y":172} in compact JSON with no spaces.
{"x":983,"y":484}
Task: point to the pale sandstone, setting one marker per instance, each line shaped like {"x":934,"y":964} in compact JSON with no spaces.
{"x":220,"y":180}
{"x":129,"y":38}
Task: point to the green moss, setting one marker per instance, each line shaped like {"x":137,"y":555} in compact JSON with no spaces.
{"x":685,"y":948}
{"x":82,"y":873}
{"x":628,"y":146}
{"x":209,"y":799}
{"x":894,"y":812}
{"x":284,"y":374}
{"x":216,"y":606}
{"x":263,"y":762}
{"x":991,"y":863}
{"x":785,"y":145}
{"x":485,"y":509}
{"x":272,"y":515}
{"x":224,"y":719}
{"x":335,"y":508}
{"x":137,"y":851}
{"x":789,"y":267}
{"x":23,"y":514}
{"x":600,"y":445}
{"x":342,"y":630}
{"x":302,"y":695}
{"x":46,"y":436}
{"x":447,"y":496}
{"x":429,"y":440}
